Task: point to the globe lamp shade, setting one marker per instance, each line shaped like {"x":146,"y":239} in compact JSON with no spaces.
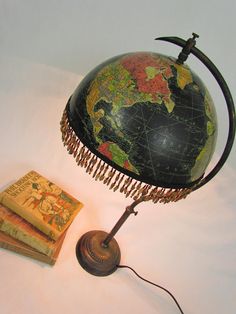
{"x":145,"y":124}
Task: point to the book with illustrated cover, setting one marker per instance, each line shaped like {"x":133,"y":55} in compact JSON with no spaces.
{"x":42,"y":203}
{"x":16,"y":246}
{"x":18,"y":228}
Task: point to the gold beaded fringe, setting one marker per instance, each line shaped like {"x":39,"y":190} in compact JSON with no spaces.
{"x":101,"y":171}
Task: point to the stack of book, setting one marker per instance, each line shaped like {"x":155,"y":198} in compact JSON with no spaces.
{"x":34,"y":216}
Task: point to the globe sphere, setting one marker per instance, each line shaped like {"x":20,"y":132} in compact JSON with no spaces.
{"x":147,"y":116}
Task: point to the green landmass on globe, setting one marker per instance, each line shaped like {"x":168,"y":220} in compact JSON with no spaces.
{"x":148,"y":115}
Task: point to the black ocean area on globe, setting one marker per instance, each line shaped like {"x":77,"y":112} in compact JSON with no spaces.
{"x":111,"y":131}
{"x":164,"y":145}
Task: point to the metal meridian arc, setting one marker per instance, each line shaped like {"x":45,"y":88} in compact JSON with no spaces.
{"x":229,"y":102}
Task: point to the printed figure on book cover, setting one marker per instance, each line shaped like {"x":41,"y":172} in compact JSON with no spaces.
{"x":42,"y":203}
{"x":50,"y":201}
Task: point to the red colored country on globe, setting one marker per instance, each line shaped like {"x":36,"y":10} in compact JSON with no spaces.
{"x":104,"y":149}
{"x":137,"y":65}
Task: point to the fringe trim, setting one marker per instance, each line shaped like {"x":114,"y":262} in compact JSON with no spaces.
{"x":101,"y":171}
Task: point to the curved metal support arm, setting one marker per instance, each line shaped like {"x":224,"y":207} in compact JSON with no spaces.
{"x":228,"y":98}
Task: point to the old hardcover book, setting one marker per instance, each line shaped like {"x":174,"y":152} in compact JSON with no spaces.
{"x":20,"y":229}
{"x":19,"y":247}
{"x":42,"y":203}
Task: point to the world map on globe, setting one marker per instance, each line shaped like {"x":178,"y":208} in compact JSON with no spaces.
{"x":151,"y":117}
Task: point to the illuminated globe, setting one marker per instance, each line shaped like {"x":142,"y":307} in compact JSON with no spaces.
{"x":147,"y":116}
{"x":143,"y":124}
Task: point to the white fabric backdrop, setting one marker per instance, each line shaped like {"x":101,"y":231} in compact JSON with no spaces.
{"x":188,"y":247}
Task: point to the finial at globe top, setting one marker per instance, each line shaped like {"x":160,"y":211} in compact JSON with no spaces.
{"x":190,"y":43}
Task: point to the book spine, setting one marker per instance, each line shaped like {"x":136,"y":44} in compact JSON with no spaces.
{"x":16,"y":246}
{"x":34,"y":220}
{"x":18,"y":233}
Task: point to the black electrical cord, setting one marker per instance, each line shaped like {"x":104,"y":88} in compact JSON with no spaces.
{"x":176,"y":302}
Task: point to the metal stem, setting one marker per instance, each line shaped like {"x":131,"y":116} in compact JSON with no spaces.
{"x":128,"y":211}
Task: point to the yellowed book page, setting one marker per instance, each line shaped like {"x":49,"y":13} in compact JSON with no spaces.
{"x":42,"y":203}
{"x":18,"y":228}
{"x":19,"y":247}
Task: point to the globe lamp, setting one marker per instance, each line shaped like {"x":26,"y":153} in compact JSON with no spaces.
{"x":143,"y":124}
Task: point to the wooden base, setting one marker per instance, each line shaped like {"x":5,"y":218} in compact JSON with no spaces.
{"x":94,"y":257}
